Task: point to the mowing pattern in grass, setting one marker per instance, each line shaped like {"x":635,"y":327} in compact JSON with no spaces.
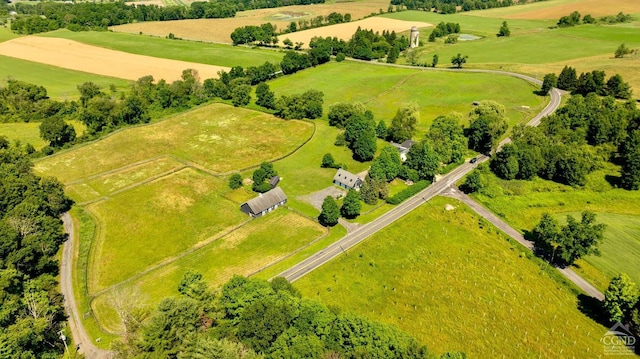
{"x":455,"y":285}
{"x":211,"y":54}
{"x":218,"y":137}
{"x":60,"y":83}
{"x":257,"y":244}
{"x":158,"y":220}
{"x":382,"y":89}
{"x":522,"y":203}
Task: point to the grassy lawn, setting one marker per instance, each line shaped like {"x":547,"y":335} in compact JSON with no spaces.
{"x":29,"y":132}
{"x":383,"y":89}
{"x":6,"y":34}
{"x":205,"y":53}
{"x":60,"y":83}
{"x":457,"y":285}
{"x":246,"y":250}
{"x":522,"y":203}
{"x":206,"y":136}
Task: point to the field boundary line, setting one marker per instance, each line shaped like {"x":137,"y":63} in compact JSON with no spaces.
{"x":116,"y":170}
{"x":172,"y":259}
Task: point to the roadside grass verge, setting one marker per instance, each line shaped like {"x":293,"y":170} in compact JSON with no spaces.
{"x":457,"y":285}
{"x":217,"y":137}
{"x":522,"y":203}
{"x":60,"y":83}
{"x":260,"y":242}
{"x":382,"y":89}
{"x":192,"y":51}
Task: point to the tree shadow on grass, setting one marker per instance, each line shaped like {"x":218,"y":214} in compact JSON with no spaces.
{"x":593,"y":308}
{"x":614,"y":181}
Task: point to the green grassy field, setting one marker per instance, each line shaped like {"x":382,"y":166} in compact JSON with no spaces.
{"x":206,"y":136}
{"x":522,"y":203}
{"x":29,"y":132}
{"x":244,"y":251}
{"x":383,"y":89}
{"x":205,"y":53}
{"x":60,"y":83}
{"x":457,"y":285}
{"x":6,"y":34}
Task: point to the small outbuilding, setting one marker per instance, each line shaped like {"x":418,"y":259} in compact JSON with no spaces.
{"x":274,"y":181}
{"x":264,"y":203}
{"x":347,"y":180}
{"x":403,"y":148}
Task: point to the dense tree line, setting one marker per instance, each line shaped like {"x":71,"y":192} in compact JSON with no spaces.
{"x":575,"y":18}
{"x":442,"y":30}
{"x":252,"y":318}
{"x":318,"y":21}
{"x":594,"y":81}
{"x":264,"y":35}
{"x":450,"y":6}
{"x":21,"y":101}
{"x":368,"y":45}
{"x":48,"y":16}
{"x":571,"y":143}
{"x":32,"y":312}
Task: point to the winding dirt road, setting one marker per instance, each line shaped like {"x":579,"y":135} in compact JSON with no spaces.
{"x":80,"y":336}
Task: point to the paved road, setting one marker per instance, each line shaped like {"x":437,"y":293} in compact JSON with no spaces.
{"x":511,"y":232}
{"x":352,"y":239}
{"x":66,"y":286}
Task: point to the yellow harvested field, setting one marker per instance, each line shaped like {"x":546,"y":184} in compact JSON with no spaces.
{"x":219,"y":30}
{"x":344,"y":31}
{"x":73,"y":55}
{"x":595,"y":8}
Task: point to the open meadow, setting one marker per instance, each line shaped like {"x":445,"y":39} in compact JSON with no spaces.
{"x":189,"y":51}
{"x":383,"y":89}
{"x":586,"y":47}
{"x":219,"y":30}
{"x":455,"y":283}
{"x":555,"y":9}
{"x":522,"y":203}
{"x":77,"y":56}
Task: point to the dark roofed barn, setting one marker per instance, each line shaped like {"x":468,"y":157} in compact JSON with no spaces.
{"x":265,"y":203}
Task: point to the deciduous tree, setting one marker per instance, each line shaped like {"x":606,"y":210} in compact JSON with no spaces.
{"x":351,"y":205}
{"x":330,"y":212}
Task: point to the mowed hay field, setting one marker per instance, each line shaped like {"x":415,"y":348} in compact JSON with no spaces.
{"x":457,"y":285}
{"x":190,"y":51}
{"x":383,"y":89}
{"x":219,"y":30}
{"x":81,"y":57}
{"x":557,"y":8}
{"x":346,"y":30}
{"x":244,"y":251}
{"x":217,"y":137}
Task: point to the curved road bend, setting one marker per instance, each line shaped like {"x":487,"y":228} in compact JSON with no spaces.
{"x":80,"y":336}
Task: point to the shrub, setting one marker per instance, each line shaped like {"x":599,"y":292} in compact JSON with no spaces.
{"x":408,"y":192}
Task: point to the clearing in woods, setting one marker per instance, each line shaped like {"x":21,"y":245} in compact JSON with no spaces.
{"x":73,"y":55}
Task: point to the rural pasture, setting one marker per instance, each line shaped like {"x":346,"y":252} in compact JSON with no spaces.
{"x":382,"y":89}
{"x":522,"y":203}
{"x":29,"y":132}
{"x":60,"y":83}
{"x":344,"y":31}
{"x":190,"y":51}
{"x":219,"y":30}
{"x":455,"y":283}
{"x":158,"y":204}
{"x":81,"y":57}
{"x":587,"y":47}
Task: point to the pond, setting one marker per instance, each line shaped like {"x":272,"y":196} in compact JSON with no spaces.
{"x":468,"y":37}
